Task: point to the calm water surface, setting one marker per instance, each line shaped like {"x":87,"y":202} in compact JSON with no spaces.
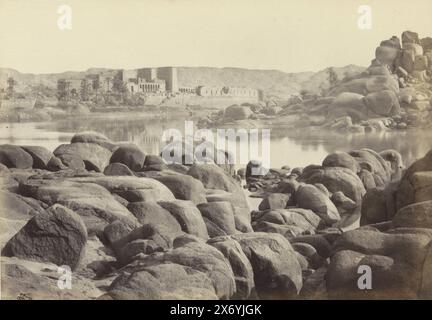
{"x":288,"y":147}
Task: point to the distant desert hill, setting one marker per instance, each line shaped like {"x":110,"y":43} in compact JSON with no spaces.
{"x":272,"y":82}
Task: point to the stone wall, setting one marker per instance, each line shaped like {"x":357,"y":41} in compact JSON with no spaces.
{"x":207,"y":91}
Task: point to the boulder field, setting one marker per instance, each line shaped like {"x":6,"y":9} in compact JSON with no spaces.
{"x":393,"y":93}
{"x":130,"y":226}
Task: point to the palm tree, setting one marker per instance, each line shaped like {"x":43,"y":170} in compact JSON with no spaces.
{"x":11,"y":87}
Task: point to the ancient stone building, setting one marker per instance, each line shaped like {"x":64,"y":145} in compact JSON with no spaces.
{"x":208,"y":91}
{"x":158,"y":81}
{"x":169,"y":74}
{"x":148,"y":80}
{"x":187,"y":90}
{"x":147,"y":73}
{"x":142,"y":85}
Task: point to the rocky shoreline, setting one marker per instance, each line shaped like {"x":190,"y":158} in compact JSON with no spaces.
{"x":130,"y":226}
{"x":393,"y":93}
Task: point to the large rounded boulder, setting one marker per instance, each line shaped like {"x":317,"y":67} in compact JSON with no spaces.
{"x":89,"y":155}
{"x":94,"y":137}
{"x":416,"y":215}
{"x":416,"y":183}
{"x":348,"y":104}
{"x":218,"y":217}
{"x":15,"y":157}
{"x":341,"y":159}
{"x":335,"y":179}
{"x":383,"y":103}
{"x":130,"y":155}
{"x":148,"y":212}
{"x":241,"y":267}
{"x":214,"y":177}
{"x":95,"y":204}
{"x":117,"y":169}
{"x":310,"y":197}
{"x":394,"y":260}
{"x":184,"y":187}
{"x":236,"y":112}
{"x":188,"y":216}
{"x":41,"y":156}
{"x":57,"y":235}
{"x":193,"y":270}
{"x":168,"y":281}
{"x":277,"y":272}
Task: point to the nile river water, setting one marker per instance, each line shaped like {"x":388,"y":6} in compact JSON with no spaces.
{"x":288,"y":147}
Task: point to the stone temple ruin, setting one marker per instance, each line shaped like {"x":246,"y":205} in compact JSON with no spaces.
{"x":156,"y":81}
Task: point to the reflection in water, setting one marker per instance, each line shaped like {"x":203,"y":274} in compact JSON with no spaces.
{"x":412,"y":144}
{"x":143,"y":130}
{"x":288,"y":147}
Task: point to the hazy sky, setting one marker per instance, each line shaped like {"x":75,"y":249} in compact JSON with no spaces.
{"x":292,"y":36}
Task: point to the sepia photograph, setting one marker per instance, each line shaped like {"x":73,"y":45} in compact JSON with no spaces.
{"x":235,"y":150}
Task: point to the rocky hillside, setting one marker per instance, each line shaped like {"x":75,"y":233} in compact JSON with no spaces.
{"x":274,"y":83}
{"x":394,"y":92}
{"x":27,"y":81}
{"x":396,"y":87}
